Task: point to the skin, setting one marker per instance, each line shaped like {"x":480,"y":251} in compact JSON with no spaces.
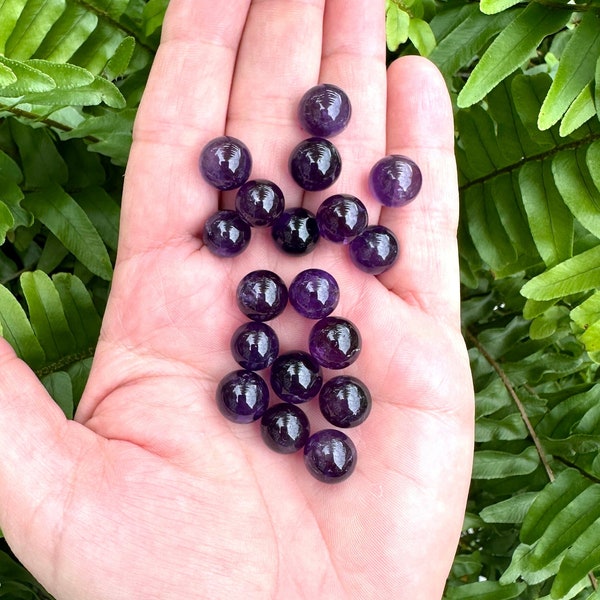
{"x":150,"y":493}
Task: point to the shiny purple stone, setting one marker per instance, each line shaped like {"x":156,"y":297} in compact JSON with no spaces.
{"x":315,"y":164}
{"x":330,"y":456}
{"x":341,"y":218}
{"x":225,"y":162}
{"x":260,"y":202}
{"x":395,"y":180}
{"x":296,"y":231}
{"x":375,"y":250}
{"x":314,"y":293}
{"x":261,"y":295}
{"x":254,"y":346}
{"x":285,"y":428}
{"x":296,"y":377}
{"x":345,"y":401}
{"x":324,"y":110}
{"x":226,"y":234}
{"x":334,"y":343}
{"x":242,"y":396}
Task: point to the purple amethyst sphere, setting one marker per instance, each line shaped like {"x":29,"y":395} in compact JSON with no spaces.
{"x":341,"y":218}
{"x":225,"y":162}
{"x":242,"y":396}
{"x":296,"y":377}
{"x":285,"y":428}
{"x":260,"y":202}
{"x":314,"y":293}
{"x":395,"y":180}
{"x":226,"y":234}
{"x":375,"y":250}
{"x":324,"y":110}
{"x":315,"y":164}
{"x":254,"y":346}
{"x":335,"y":343}
{"x":330,"y":456}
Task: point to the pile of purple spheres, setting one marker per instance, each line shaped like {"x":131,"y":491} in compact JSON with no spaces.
{"x":296,"y":377}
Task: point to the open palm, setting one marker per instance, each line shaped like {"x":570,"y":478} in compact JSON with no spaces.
{"x":150,"y":493}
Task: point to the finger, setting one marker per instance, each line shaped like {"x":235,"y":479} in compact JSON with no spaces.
{"x":184,"y":106}
{"x":278,"y":60}
{"x":420,"y":126}
{"x":354,"y":59}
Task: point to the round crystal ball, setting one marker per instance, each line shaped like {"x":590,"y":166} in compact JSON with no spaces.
{"x":285,"y":428}
{"x":296,"y":231}
{"x":314,"y":293}
{"x":345,"y":401}
{"x":254,"y":346}
{"x":335,"y":343}
{"x":315,"y":164}
{"x":242,"y":396}
{"x":375,"y":250}
{"x":395,"y":180}
{"x":226,"y":233}
{"x":324,"y":110}
{"x":330,"y":456}
{"x":225,"y":162}
{"x":261,"y":295}
{"x":341,"y":218}
{"x":296,"y":377}
{"x":260,"y":202}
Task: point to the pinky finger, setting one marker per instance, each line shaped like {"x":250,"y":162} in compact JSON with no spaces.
{"x":420,"y":126}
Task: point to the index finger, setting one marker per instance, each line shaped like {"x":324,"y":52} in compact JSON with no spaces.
{"x":184,"y":106}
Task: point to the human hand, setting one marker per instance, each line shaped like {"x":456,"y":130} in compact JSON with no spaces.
{"x":150,"y":493}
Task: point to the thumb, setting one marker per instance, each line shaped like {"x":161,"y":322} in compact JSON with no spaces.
{"x":39,"y":446}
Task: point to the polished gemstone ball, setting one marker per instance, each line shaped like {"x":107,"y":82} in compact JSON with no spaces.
{"x":296,"y":377}
{"x":296,"y":231}
{"x":345,"y":401}
{"x":341,"y":218}
{"x":254,"y":345}
{"x":285,"y":428}
{"x":242,"y":396}
{"x":260,"y":202}
{"x":324,"y":110}
{"x":375,"y":250}
{"x":395,"y":180}
{"x":330,"y":456}
{"x":225,"y":162}
{"x":262,"y":295}
{"x":314,"y":293}
{"x":226,"y":234}
{"x":315,"y":164}
{"x":335,"y":343}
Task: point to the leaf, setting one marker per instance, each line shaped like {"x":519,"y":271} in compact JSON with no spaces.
{"x":59,"y":386}
{"x":510,"y":427}
{"x":575,"y":70}
{"x":551,"y":500}
{"x":42,"y":163}
{"x":396,"y":26}
{"x":65,"y":76}
{"x":113,"y":8}
{"x":33,"y":24}
{"x":7,"y":76}
{"x":103,"y":212}
{"x":47,"y":315}
{"x":494,"y":464}
{"x":27,"y":79}
{"x":154,"y":13}
{"x":10,"y":11}
{"x":80,"y":312}
{"x":119,"y":61}
{"x":577,"y":274}
{"x":98,"y":48}
{"x":16,"y":329}
{"x":7,"y":221}
{"x":420,"y":34}
{"x":550,"y":221}
{"x":511,"y":49}
{"x":69,"y":223}
{"x":491,"y":7}
{"x":512,"y":510}
{"x":577,"y":188}
{"x":68,"y":33}
{"x":485,"y":590}
{"x":581,"y":110}
{"x":466,"y":39}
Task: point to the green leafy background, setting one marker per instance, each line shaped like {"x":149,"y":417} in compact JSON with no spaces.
{"x":522,"y":76}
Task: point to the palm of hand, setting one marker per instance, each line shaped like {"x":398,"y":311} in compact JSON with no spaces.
{"x":159,"y":486}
